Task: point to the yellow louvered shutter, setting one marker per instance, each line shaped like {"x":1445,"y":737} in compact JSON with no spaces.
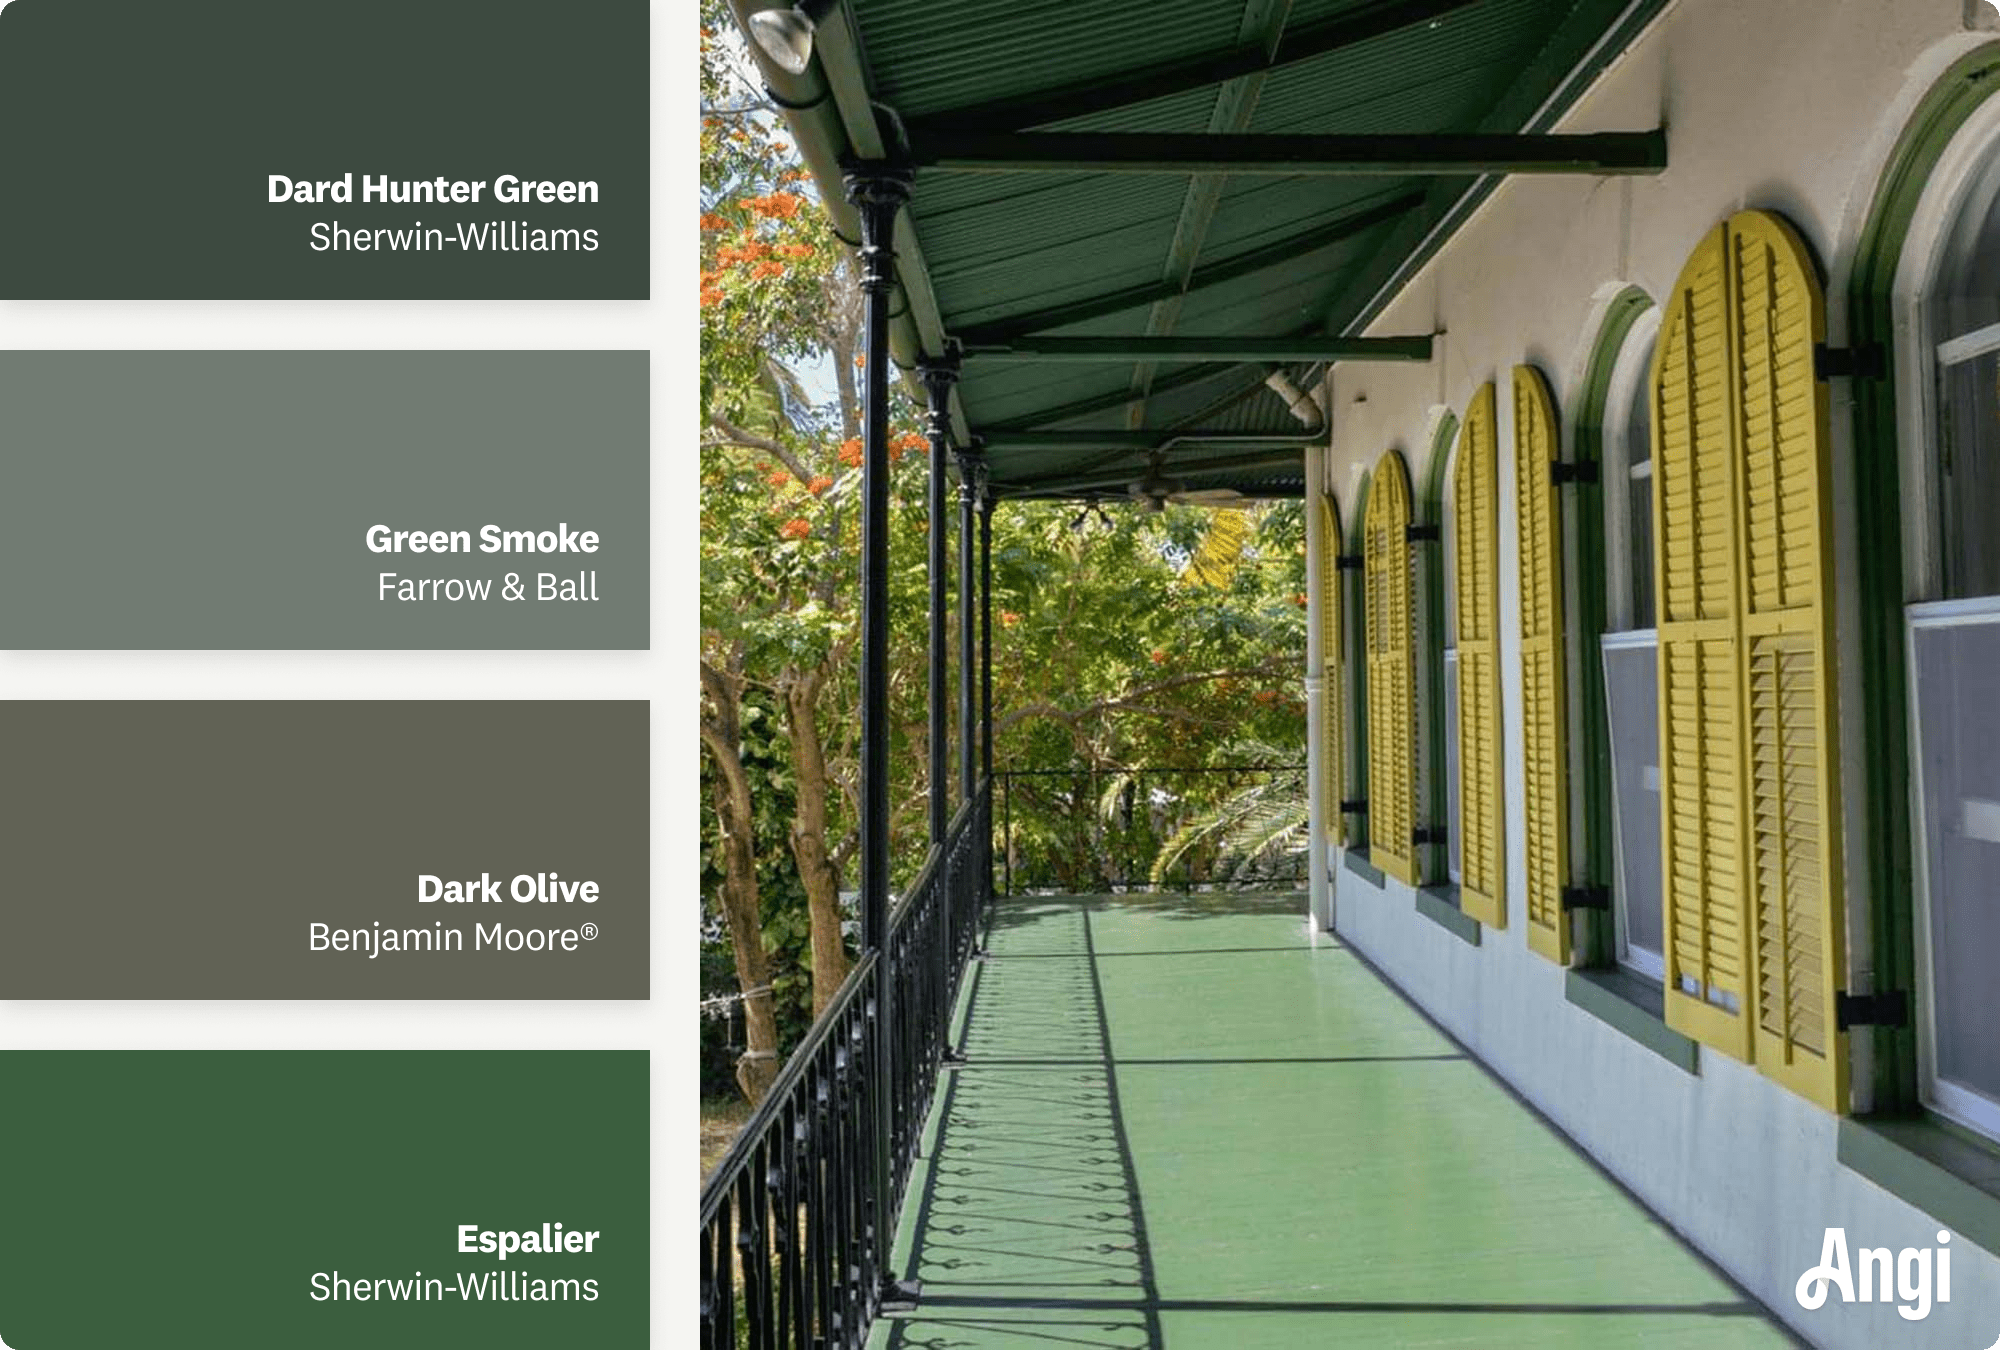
{"x":1707,"y":975}
{"x":1544,"y":710}
{"x":1475,"y":560}
{"x":1788,"y":711}
{"x":1333,"y":702}
{"x":1390,"y":618}
{"x":1755,"y":941}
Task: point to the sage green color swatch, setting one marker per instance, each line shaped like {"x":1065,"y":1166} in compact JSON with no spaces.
{"x":188,"y":1198}
{"x":208,"y":500}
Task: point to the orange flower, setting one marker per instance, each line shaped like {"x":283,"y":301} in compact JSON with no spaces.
{"x":1159,"y":655}
{"x":1300,"y":599}
{"x":860,"y":360}
{"x":796,"y":250}
{"x":777,"y":206}
{"x":819,"y":484}
{"x":711,"y":297}
{"x":1266,"y":696}
{"x":1008,"y":618}
{"x":795,"y":528}
{"x":768,"y":269}
{"x":777,"y":478}
{"x":850,"y":452}
{"x":711,"y":221}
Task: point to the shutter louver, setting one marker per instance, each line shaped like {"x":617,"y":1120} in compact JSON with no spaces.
{"x":1475,"y":527}
{"x":1333,"y":699}
{"x":1390,"y":621}
{"x":1544,"y":707}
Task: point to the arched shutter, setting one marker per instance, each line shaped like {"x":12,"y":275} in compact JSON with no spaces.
{"x":1475,"y":528}
{"x":1333,"y":701}
{"x":1755,"y":943}
{"x":1786,"y":538}
{"x":1392,"y":722}
{"x":1544,"y":709}
{"x":1694,"y":459}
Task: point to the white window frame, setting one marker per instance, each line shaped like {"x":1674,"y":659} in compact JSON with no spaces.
{"x":1629,"y":374}
{"x":1653,"y":965}
{"x":1923,"y":573}
{"x":1963,"y":1104}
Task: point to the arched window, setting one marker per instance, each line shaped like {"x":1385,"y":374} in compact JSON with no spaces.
{"x":1628,"y":650}
{"x":1949,"y":387}
{"x":1544,"y":664}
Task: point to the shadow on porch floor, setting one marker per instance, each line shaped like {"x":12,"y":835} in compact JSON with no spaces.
{"x":1182,"y":1123}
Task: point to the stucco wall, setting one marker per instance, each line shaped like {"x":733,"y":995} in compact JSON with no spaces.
{"x":1789,"y":105}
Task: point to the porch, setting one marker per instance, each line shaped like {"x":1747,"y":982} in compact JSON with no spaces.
{"x":1183,"y":1120}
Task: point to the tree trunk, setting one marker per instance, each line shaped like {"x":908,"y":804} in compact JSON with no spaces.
{"x":817,"y":871}
{"x":721,"y":734}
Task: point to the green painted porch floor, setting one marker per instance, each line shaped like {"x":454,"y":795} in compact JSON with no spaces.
{"x":1182,"y":1124}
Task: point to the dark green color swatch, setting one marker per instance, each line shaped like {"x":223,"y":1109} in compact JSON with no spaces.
{"x":141,"y":138}
{"x":188,"y":1198}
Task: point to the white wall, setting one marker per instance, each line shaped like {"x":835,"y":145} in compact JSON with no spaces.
{"x":1789,"y":105}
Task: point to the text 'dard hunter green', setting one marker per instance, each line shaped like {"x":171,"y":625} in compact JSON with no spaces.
{"x":325,"y":850}
{"x":482,"y":500}
{"x":240,"y":1200}
{"x":378,"y":149}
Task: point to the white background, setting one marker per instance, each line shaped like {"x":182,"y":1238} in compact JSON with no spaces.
{"x":667,"y":326}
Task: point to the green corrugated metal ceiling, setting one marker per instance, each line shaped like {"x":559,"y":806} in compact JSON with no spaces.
{"x":994,"y":256}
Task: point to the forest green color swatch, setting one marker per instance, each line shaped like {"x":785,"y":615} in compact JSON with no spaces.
{"x":203,"y":1198}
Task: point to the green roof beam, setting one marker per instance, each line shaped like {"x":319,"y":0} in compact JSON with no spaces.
{"x":1178,"y":77}
{"x":1159,"y":438}
{"x":1604,"y":152}
{"x":1232,"y":349}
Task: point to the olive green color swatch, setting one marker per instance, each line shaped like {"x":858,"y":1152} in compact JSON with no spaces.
{"x":217,"y":500}
{"x":281,"y":850}
{"x":191,"y":1197}
{"x":142,"y":140}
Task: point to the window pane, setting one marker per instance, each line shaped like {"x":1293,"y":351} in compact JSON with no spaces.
{"x":1969,"y":477}
{"x":1955,"y":683}
{"x":1639,"y":502}
{"x":1452,"y":830}
{"x":1631,"y":695}
{"x":1967,"y":292}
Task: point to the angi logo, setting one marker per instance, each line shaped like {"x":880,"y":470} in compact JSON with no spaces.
{"x":1911,"y":1269}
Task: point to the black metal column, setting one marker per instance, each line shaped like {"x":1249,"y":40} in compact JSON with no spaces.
{"x":939,"y":377}
{"x":986,"y":628}
{"x":969,"y":468}
{"x":880,"y":191}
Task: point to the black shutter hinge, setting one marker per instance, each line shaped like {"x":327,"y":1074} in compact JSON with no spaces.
{"x":1581,"y":471}
{"x":1849,"y":363}
{"x":1427,"y":834}
{"x":1355,"y":806}
{"x":1890,"y":1008}
{"x":1586,"y":897}
{"x":1422,"y":534}
{"x":1350,"y":562}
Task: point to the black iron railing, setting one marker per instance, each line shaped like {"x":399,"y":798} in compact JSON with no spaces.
{"x":1103,"y":828}
{"x":792,"y":1257}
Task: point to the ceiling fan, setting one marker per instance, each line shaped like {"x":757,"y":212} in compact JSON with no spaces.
{"x":1156,"y":489}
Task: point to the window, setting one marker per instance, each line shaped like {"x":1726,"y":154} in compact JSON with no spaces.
{"x":1448,"y":514}
{"x":1951,"y":497}
{"x":1544,"y":695}
{"x":1753,"y":937}
{"x":1389,"y":623}
{"x":1628,"y":648}
{"x":1478,"y":820}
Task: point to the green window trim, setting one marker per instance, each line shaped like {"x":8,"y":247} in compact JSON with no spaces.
{"x":1635,"y":1006}
{"x":1439,"y":904}
{"x":1886,"y":855}
{"x":1948,"y":1173}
